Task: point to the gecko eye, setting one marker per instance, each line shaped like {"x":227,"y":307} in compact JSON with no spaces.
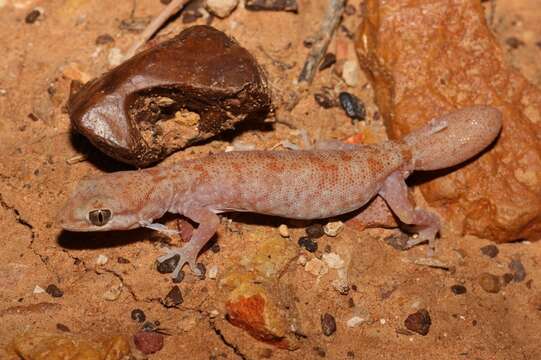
{"x":99,"y":217}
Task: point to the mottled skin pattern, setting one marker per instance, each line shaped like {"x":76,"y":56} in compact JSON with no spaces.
{"x":310,"y":184}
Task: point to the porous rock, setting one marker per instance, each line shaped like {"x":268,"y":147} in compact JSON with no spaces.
{"x":184,"y":90}
{"x":426,"y":58}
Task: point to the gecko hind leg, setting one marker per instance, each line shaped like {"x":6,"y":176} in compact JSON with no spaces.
{"x":395,"y":193}
{"x":208,"y":223}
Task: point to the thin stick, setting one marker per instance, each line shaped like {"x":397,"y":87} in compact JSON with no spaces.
{"x":171,"y":9}
{"x":329,"y":25}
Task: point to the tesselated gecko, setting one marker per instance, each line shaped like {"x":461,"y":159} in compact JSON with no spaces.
{"x":307,"y":184}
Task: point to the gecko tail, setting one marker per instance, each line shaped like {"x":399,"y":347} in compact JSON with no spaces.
{"x":454,"y":137}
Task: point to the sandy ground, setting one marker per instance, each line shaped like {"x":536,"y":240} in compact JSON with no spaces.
{"x":37,"y":63}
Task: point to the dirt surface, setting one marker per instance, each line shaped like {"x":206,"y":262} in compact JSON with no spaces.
{"x":103,"y":277}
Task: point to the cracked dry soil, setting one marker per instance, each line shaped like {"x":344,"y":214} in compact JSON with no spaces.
{"x":36,"y":143}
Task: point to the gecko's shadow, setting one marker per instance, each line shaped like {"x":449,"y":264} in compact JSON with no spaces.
{"x":97,"y":240}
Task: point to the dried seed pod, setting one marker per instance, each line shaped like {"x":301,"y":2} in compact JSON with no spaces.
{"x":184,"y":90}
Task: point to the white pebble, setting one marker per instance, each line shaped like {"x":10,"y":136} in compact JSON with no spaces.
{"x":341,"y":285}
{"x":115,"y":57}
{"x":283,"y":230}
{"x":213,"y":314}
{"x":221,"y":8}
{"x":38,"y":290}
{"x":302,"y":260}
{"x":350,"y":73}
{"x":113,"y":293}
{"x":316,"y":267}
{"x":213,"y":272}
{"x":354,"y":321}
{"x":382,"y":321}
{"x":102,"y":260}
{"x":333,"y":228}
{"x":333,"y":260}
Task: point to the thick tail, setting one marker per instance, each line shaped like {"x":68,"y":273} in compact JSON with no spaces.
{"x":453,"y":138}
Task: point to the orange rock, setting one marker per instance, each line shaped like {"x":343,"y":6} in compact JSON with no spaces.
{"x":428,"y":57}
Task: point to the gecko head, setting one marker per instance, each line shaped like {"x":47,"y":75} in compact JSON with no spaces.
{"x":101,"y":204}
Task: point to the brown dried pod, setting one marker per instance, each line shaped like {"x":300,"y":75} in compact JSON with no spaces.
{"x":184,"y":90}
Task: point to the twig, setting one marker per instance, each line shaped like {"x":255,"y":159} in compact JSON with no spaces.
{"x":171,"y":9}
{"x":323,"y":38}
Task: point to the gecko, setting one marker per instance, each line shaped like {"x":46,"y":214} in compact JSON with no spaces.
{"x":329,"y":180}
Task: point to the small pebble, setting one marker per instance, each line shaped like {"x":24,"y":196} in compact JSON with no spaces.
{"x":173,"y":298}
{"x":115,"y":57}
{"x":308,"y":243}
{"x":353,"y":107}
{"x":179,"y":278}
{"x":316,"y":267}
{"x":215,"y":248}
{"x":490,"y":283}
{"x":350,"y":354}
{"x":328,"y":60}
{"x":490,"y":250}
{"x":101,"y":260}
{"x":355,"y":321}
{"x":122,"y":260}
{"x":201,"y":271}
{"x":190,"y":16}
{"x":327,"y":249}
{"x":507,"y":278}
{"x":213,"y":272}
{"x":516,"y":267}
{"x":458,"y":289}
{"x":333,"y":260}
{"x":419,"y":322}
{"x":62,"y":327}
{"x":341,"y":285}
{"x":350,"y":74}
{"x":221,"y":8}
{"x":272,"y":5}
{"x":324,"y":100}
{"x":150,"y":326}
{"x":319,"y":351}
{"x":148,"y":342}
{"x":113,"y":293}
{"x":38,"y":290}
{"x":398,"y":241}
{"x":138,"y":315}
{"x":54,"y":291}
{"x":328,"y":324}
{"x":283,"y":230}
{"x":315,"y":231}
{"x":333,"y":228}
{"x":104,"y":39}
{"x":514,"y":42}
{"x":169,"y":265}
{"x":302,"y":260}
{"x":32,"y":16}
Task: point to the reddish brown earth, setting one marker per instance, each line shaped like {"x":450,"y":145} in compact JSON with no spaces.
{"x":38,"y":169}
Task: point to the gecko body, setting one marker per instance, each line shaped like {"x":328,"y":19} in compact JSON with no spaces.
{"x":306,"y":184}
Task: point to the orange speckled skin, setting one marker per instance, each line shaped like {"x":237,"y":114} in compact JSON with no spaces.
{"x":309,"y":184}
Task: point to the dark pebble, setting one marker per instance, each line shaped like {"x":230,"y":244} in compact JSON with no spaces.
{"x":490,"y":250}
{"x":514,"y":42}
{"x":354,"y":287}
{"x":327,"y":249}
{"x":507,"y":278}
{"x":328,"y":324}
{"x":215,"y":248}
{"x":350,"y":354}
{"x":149,"y":326}
{"x":104,"y":39}
{"x":62,"y":327}
{"x":516,"y":267}
{"x":122,"y":260}
{"x":271,"y":5}
{"x":315,"y":231}
{"x":458,"y":289}
{"x":54,"y":291}
{"x":319,"y":351}
{"x":191,"y":16}
{"x":328,"y":60}
{"x":419,"y":322}
{"x":169,"y":265}
{"x":148,"y":342}
{"x":353,"y":107}
{"x":308,"y":243}
{"x":180,"y":277}
{"x":324,"y":100}
{"x":138,"y":315}
{"x":398,"y":241}
{"x":173,"y":298}
{"x":351,"y":303}
{"x":201,"y":271}
{"x":32,"y":16}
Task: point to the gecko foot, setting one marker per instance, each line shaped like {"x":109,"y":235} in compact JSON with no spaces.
{"x":425,"y":235}
{"x":187,"y":254}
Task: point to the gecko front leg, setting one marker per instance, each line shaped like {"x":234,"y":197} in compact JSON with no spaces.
{"x":208,"y":224}
{"x":395,"y":193}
